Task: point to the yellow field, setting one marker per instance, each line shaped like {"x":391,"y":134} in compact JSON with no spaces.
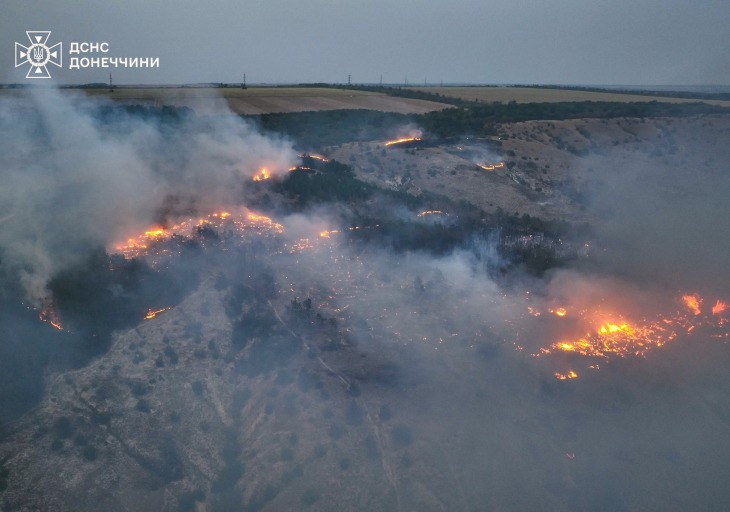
{"x":263,"y":100}
{"x":536,"y":94}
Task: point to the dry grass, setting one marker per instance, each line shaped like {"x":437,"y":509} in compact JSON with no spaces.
{"x":539,"y":95}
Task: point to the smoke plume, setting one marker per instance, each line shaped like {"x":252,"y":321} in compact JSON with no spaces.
{"x":72,"y":182}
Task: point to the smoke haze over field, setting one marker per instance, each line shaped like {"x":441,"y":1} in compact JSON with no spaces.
{"x":72,"y":183}
{"x":663,"y":216}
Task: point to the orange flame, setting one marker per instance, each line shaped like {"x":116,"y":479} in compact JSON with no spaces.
{"x":262,"y":175}
{"x":614,"y":336}
{"x":401,"y":141}
{"x":491,"y":167}
{"x":719,"y":307}
{"x":49,"y":315}
{"x":314,"y":156}
{"x":144,"y":244}
{"x":693,"y":302}
{"x":565,"y":376}
{"x":151,"y":313}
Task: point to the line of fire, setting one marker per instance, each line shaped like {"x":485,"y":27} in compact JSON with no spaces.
{"x":598,"y":335}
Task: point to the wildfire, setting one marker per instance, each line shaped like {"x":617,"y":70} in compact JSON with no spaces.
{"x":565,"y":376}
{"x":431,"y":212}
{"x":617,"y":339}
{"x":156,"y":236}
{"x":314,"y":156}
{"x":616,"y":336}
{"x":401,"y":141}
{"x":719,"y":307}
{"x":693,"y":302}
{"x":262,"y":175}
{"x":491,"y":167}
{"x":326,"y":233}
{"x":265,"y":222}
{"x":49,"y":315}
{"x":151,"y":313}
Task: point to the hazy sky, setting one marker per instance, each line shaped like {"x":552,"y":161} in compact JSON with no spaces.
{"x":643,"y":42}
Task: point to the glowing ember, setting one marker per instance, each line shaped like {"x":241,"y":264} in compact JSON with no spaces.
{"x":401,"y":141}
{"x":314,"y":156}
{"x":264,"y":221}
{"x":431,"y":212}
{"x":491,"y":167}
{"x":151,"y":313}
{"x":693,"y":302}
{"x":619,"y":339}
{"x":49,"y":315}
{"x":719,"y":307}
{"x":262,"y":175}
{"x":565,"y":376}
{"x":326,"y":234}
{"x":615,"y":336}
{"x":151,"y":240}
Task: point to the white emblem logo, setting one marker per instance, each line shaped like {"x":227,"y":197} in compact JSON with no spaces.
{"x":38,"y":54}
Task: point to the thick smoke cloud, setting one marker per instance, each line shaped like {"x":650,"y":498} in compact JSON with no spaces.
{"x":71,"y":182}
{"x":663,"y":217}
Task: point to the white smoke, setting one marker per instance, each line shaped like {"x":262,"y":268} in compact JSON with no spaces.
{"x":70,"y":182}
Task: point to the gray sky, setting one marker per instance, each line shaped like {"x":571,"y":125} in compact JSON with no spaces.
{"x":642,"y":42}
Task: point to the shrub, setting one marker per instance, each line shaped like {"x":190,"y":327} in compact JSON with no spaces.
{"x":89,"y":453}
{"x":143,"y":405}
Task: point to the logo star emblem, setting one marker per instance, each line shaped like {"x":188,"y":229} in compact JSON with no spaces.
{"x":38,"y":54}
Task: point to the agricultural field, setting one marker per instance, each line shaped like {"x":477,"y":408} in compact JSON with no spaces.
{"x":544,"y":95}
{"x":267,"y":100}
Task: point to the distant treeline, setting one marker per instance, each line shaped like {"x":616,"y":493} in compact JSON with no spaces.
{"x":694,"y":95}
{"x":481,"y":119}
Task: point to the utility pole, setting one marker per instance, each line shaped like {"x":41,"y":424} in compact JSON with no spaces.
{"x":243,"y":85}
{"x":111,"y":85}
{"x":349,"y":81}
{"x":381,"y":80}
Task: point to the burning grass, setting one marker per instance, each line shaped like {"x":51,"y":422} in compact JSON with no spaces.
{"x":609,"y":334}
{"x":403,"y":140}
{"x":49,"y":313}
{"x":152,"y":241}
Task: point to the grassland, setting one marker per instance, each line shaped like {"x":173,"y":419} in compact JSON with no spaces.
{"x":545,"y":95}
